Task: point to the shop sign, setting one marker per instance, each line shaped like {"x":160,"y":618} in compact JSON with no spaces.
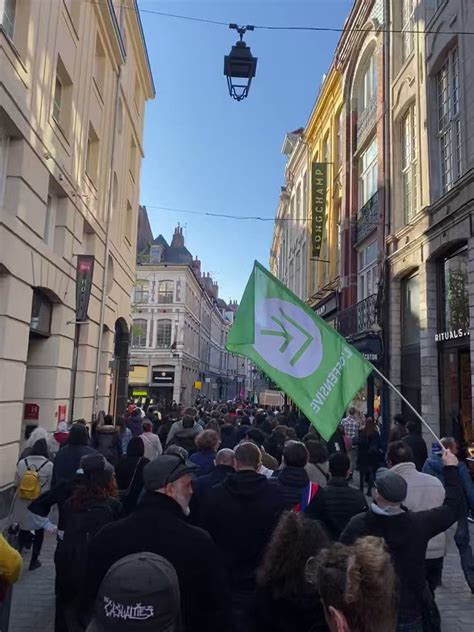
{"x":326,"y":308}
{"x":31,"y":412}
{"x":61,"y":412}
{"x":85,"y":269}
{"x":136,"y":393}
{"x":454,"y":334}
{"x":319,"y":185}
{"x":162,"y":377}
{"x":371,"y":357}
{"x":198,"y":385}
{"x":208,"y":380}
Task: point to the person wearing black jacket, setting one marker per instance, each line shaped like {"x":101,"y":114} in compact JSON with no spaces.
{"x":406,"y":533}
{"x":202,"y":485}
{"x":415,"y":440}
{"x":158,"y":525}
{"x":292,"y":478}
{"x":240,"y":515}
{"x":67,"y":460}
{"x":335,"y":504}
{"x":129,"y":474}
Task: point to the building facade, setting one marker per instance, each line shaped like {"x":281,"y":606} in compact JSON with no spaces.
{"x":179,"y":331}
{"x":323,"y":136}
{"x":289,"y":252}
{"x":431,"y":240}
{"x":74,"y":80}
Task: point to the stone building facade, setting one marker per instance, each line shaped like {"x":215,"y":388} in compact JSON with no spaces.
{"x":179,"y":331}
{"x":431,"y":240}
{"x":74,"y":79}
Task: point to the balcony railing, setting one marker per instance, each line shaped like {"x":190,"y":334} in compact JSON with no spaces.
{"x":366,"y":121}
{"x":367,"y":219}
{"x":359,"y":318}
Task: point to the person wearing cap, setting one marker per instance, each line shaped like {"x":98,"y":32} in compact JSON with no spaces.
{"x":150,"y":602}
{"x":406,"y":534}
{"x":92,"y":504}
{"x":158,"y":525}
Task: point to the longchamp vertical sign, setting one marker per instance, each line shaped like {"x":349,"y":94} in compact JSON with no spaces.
{"x":85,"y":269}
{"x":319,"y":186}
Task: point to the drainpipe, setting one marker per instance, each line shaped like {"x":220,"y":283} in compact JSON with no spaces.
{"x":107,"y":237}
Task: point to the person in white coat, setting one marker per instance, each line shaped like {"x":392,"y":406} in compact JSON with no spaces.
{"x":151,"y":441}
{"x":28,"y":522}
{"x":424,"y":492}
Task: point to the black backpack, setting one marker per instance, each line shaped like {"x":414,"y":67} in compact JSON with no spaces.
{"x":72,"y":550}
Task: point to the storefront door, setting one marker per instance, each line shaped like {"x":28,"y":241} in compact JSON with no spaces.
{"x":456,"y":394}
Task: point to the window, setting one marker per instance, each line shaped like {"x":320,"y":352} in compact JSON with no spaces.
{"x":133,"y":159}
{"x":99,"y":65}
{"x":7,"y":16}
{"x":58,"y":100}
{"x":449,"y":123}
{"x":163,"y":334}
{"x":368,"y":88}
{"x":41,"y":312}
{"x":408,"y":27}
{"x":139,"y":327}
{"x":128,"y":222}
{"x":367,"y":271}
{"x":455,"y":292}
{"x":62,"y":98}
{"x":156,"y":252}
{"x":368,"y":173}
{"x":339,"y":139}
{"x":141,"y":292}
{"x":92,"y":156}
{"x":165,"y":292}
{"x":408,"y":157}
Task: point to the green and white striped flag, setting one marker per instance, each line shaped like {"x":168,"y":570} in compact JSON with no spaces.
{"x":303,"y":355}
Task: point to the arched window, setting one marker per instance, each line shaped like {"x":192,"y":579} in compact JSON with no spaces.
{"x":165,"y":292}
{"x":368,"y":85}
{"x":163,"y":334}
{"x":139,"y":333}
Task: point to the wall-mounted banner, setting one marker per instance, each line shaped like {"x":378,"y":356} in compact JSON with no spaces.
{"x":319,"y":186}
{"x":85,"y":269}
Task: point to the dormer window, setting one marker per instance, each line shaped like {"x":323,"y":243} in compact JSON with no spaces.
{"x":156,"y":254}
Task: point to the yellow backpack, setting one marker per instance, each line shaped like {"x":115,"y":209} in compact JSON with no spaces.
{"x":30,"y":484}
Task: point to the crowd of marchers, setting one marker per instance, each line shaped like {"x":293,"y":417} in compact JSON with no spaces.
{"x":228,"y":518}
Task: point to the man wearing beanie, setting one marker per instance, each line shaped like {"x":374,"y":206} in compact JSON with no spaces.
{"x":406,"y":534}
{"x":158,"y":525}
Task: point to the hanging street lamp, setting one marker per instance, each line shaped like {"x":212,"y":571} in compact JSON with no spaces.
{"x":240,"y":66}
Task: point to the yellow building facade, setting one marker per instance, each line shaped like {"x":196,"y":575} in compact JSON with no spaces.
{"x":324,"y":140}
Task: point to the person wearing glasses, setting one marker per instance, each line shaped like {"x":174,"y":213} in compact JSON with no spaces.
{"x":158,"y":525}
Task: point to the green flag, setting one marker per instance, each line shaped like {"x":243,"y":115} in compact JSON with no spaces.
{"x":307,"y":358}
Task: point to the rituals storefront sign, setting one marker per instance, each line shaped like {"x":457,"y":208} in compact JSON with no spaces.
{"x":455,"y":334}
{"x":319,"y":184}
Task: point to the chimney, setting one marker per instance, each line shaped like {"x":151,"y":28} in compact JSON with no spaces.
{"x":178,"y":238}
{"x":196,"y":266}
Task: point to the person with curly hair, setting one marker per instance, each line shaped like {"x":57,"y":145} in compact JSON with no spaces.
{"x":286,"y":601}
{"x":207,"y":444}
{"x":349,"y":578}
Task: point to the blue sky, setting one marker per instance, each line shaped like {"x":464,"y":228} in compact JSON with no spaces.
{"x":206,"y":152}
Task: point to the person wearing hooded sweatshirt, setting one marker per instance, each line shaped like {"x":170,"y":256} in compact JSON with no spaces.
{"x":107,"y":440}
{"x":183,"y":433}
{"x":68,"y":458}
{"x":406,"y":534}
{"x":61,"y":435}
{"x":240,"y":515}
{"x":434,"y":466}
{"x":293,"y":479}
{"x":135,"y":422}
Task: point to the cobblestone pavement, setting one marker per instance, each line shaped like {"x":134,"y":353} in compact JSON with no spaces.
{"x":33,"y":597}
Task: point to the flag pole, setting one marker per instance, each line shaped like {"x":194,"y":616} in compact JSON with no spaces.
{"x":412,"y":408}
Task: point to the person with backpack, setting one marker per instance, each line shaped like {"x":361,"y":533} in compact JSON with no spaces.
{"x":293,"y":479}
{"x":69,"y":457}
{"x":93,"y":504}
{"x":32,"y":478}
